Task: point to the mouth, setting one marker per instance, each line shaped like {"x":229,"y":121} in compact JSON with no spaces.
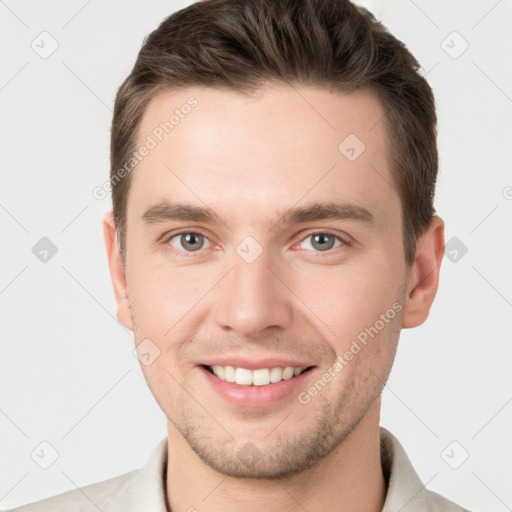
{"x":256,"y":377}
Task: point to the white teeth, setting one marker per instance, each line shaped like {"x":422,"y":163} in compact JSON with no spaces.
{"x":259,"y":377}
{"x":276,"y":375}
{"x":288,"y":373}
{"x":243,"y":376}
{"x":229,"y":374}
{"x":219,"y":370}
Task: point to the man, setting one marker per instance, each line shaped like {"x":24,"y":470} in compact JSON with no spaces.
{"x":273,"y":166}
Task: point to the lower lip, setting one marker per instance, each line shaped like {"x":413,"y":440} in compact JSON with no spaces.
{"x":256,"y":396}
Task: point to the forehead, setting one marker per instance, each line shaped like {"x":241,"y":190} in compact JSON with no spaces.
{"x":272,"y":149}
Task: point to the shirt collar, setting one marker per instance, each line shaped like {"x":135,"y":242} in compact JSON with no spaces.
{"x":405,"y":489}
{"x":146,"y":490}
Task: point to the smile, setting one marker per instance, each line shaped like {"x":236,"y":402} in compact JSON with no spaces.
{"x":258,"y":377}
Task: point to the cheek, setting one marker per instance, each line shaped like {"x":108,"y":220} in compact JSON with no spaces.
{"x":162,"y":295}
{"x":350,"y":298}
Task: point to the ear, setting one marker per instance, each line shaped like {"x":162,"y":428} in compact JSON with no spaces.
{"x":424,"y":275}
{"x":117,"y":272}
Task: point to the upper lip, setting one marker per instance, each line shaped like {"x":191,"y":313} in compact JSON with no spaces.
{"x":251,"y":364}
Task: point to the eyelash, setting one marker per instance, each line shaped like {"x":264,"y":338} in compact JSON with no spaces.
{"x":187,"y":254}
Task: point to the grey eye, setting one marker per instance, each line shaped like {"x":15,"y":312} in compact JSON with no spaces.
{"x":190,"y":242}
{"x":322,"y":241}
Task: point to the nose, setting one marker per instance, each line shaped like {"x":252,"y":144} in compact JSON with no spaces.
{"x":253,"y":297}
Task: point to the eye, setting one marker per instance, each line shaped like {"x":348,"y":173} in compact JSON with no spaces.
{"x":323,"y":242}
{"x":188,"y":241}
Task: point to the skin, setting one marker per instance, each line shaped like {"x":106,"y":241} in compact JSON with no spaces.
{"x":249,"y":159}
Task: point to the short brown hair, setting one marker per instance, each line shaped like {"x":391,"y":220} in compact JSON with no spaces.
{"x":240,"y":45}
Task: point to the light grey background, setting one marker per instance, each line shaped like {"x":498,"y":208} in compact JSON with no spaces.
{"x":67,"y":372}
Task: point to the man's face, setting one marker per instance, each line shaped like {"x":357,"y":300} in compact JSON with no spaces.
{"x":257,"y":288}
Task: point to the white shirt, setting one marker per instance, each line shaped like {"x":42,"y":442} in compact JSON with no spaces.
{"x":143,"y":490}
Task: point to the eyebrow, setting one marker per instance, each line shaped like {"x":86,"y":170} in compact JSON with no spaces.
{"x":326,"y":211}
{"x":180,"y":211}
{"x":312,"y":212}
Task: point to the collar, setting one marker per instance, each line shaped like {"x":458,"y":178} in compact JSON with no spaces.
{"x":405,"y":493}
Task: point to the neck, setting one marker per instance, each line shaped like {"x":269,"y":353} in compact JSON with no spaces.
{"x":349,"y":478}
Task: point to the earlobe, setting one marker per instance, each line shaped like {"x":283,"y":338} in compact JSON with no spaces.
{"x":117,"y":271}
{"x":424,"y":275}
